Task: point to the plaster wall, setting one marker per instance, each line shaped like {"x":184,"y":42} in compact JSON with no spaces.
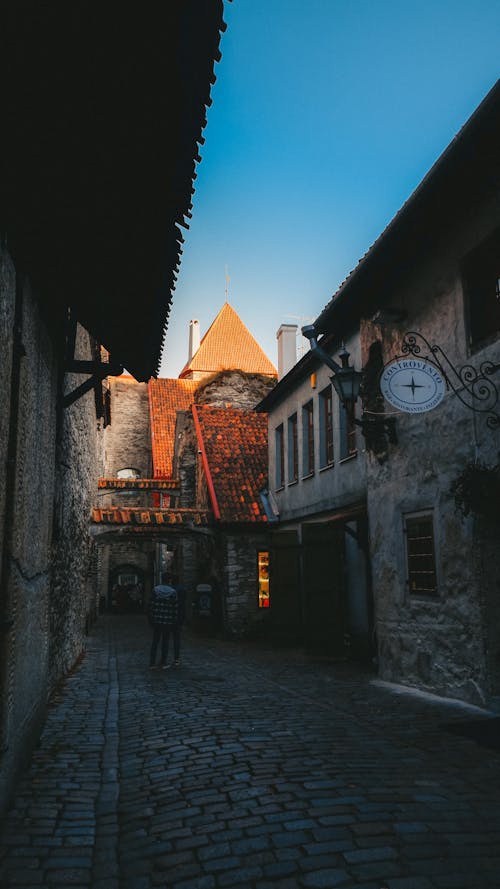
{"x":337,"y":485}
{"x":437,"y":642}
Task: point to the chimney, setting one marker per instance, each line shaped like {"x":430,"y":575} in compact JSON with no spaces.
{"x":287,"y":348}
{"x":194,"y":338}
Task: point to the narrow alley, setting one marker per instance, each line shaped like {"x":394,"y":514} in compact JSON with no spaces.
{"x":248,"y":767}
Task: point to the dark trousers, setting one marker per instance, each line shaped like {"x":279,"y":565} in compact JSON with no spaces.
{"x":162,"y":632}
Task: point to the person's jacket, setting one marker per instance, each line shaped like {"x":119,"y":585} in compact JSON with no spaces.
{"x":166,"y":606}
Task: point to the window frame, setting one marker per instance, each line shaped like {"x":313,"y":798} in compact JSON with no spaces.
{"x":480,"y":269}
{"x":326,"y":448}
{"x":263,"y":581}
{"x":308,"y":440}
{"x":293,"y":449}
{"x":347,"y":433}
{"x":409,"y":520}
{"x":279,"y":445}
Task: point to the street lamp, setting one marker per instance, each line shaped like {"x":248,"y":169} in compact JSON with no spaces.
{"x":346,"y":380}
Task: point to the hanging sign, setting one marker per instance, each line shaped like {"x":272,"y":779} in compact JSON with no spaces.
{"x":412,"y":385}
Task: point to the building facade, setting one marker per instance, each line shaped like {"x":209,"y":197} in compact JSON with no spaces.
{"x":180,"y":492}
{"x":426,"y":291}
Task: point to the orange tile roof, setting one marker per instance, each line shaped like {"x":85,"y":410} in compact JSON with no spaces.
{"x":229,"y":345}
{"x":235,"y":444}
{"x":166,"y":397}
{"x":136,"y":515}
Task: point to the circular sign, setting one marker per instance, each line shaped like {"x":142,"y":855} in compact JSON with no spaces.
{"x":412,"y":385}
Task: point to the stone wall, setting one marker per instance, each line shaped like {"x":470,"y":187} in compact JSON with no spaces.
{"x":47,"y":560}
{"x":29,"y":387}
{"x":242,"y":615}
{"x":79,"y":462}
{"x":127,"y":440}
{"x":235,"y":387}
{"x":448,"y":642}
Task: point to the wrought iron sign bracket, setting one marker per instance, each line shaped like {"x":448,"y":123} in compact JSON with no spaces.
{"x":474,"y":387}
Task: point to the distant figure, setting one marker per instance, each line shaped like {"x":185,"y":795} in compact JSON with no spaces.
{"x":166,"y":615}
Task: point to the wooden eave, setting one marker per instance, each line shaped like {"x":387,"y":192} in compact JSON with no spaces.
{"x":102,"y":117}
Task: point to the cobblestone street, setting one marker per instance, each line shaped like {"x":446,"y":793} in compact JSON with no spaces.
{"x":248,"y":768}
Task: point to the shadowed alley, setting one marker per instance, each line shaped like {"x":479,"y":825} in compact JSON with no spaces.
{"x":248,"y":767}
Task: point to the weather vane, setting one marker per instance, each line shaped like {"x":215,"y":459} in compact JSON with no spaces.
{"x":227,"y":283}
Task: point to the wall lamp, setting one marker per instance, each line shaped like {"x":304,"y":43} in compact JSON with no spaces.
{"x":347,"y":382}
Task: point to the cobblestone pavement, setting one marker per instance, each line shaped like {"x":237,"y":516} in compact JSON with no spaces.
{"x":247,"y":768}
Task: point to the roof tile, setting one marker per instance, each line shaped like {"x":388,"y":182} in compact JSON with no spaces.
{"x":166,"y":397}
{"x":235,"y":443}
{"x":229,"y":345}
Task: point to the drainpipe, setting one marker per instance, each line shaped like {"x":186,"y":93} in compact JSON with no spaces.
{"x":6,"y":604}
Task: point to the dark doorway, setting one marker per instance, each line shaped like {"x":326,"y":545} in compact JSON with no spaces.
{"x":126,"y":589}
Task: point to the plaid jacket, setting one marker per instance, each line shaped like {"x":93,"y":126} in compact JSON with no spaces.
{"x":165,"y":606}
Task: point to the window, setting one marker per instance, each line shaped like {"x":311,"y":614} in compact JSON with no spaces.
{"x":347,"y":433}
{"x":263,"y":576}
{"x":293,"y":450}
{"x":325,"y":428}
{"x":280,"y":456}
{"x":128,"y":472}
{"x":421,"y":555}
{"x":481,"y":274}
{"x":308,"y":439}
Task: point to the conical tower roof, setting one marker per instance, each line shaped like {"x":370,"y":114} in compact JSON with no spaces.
{"x":228,"y":345}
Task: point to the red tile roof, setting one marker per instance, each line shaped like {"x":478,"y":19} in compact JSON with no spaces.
{"x":136,"y":515}
{"x":228,"y":345}
{"x":166,"y":397}
{"x":234,"y":451}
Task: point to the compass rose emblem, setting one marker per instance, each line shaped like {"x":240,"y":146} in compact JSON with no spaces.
{"x":412,"y":385}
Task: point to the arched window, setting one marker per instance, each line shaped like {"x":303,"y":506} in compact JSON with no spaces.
{"x":128,"y":472}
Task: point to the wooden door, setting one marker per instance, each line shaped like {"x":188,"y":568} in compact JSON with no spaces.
{"x":285,"y":608}
{"x":323,"y":584}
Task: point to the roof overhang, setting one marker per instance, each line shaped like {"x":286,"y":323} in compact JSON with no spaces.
{"x":102,"y":112}
{"x":466,"y":174}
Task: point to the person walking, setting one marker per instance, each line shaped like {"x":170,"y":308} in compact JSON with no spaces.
{"x":166,"y":614}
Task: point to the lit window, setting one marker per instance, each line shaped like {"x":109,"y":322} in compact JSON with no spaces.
{"x":263,"y":574}
{"x":280,"y":456}
{"x":420,"y":553}
{"x":325,"y":428}
{"x":293,"y":450}
{"x":308,"y":439}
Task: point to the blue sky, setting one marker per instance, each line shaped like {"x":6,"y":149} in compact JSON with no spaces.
{"x":326,"y":115}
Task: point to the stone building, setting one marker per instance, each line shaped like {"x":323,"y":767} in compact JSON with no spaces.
{"x":180,"y":493}
{"x":101,"y":122}
{"x":427,"y":291}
